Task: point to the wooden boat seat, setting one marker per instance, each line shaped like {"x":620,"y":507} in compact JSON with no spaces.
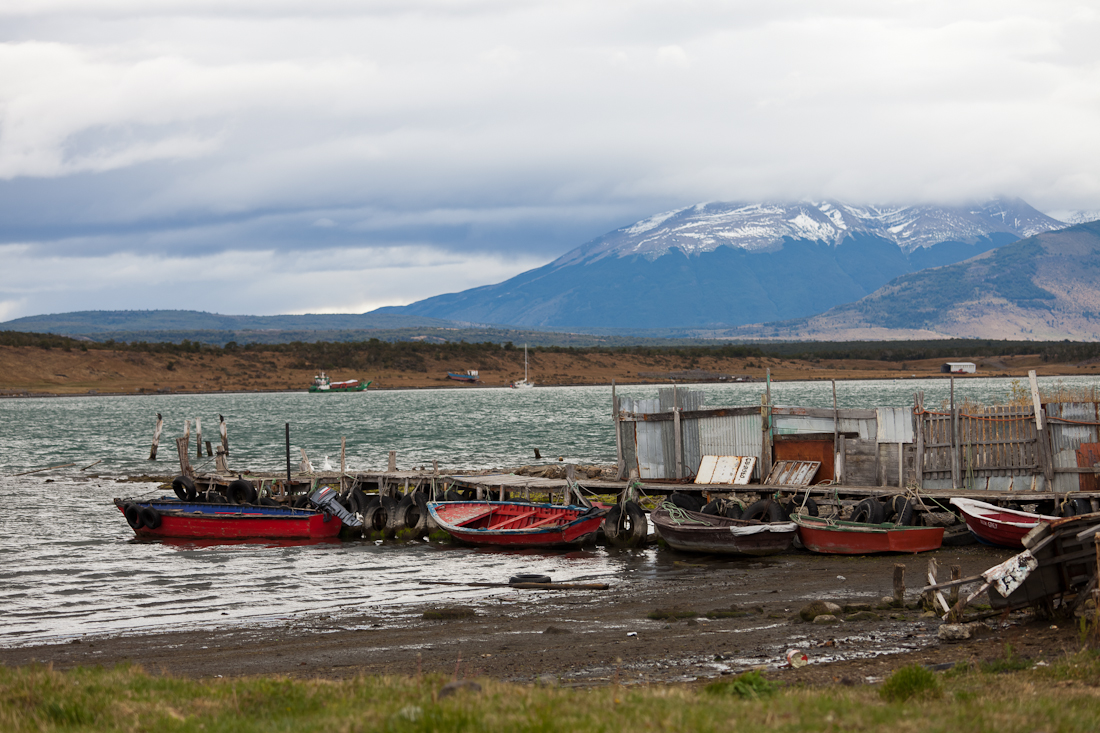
{"x":476,"y":517}
{"x":512,"y":520}
{"x":542,"y":522}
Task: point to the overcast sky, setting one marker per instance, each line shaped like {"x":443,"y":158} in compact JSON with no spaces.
{"x":293,"y":156}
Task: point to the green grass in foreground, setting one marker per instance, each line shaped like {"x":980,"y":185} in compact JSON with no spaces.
{"x":1061,"y":697}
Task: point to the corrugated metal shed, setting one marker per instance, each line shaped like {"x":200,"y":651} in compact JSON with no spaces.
{"x":738,"y":435}
{"x":1066,"y":438}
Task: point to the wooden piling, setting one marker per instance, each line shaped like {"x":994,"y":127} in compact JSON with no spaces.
{"x":392,"y":466}
{"x":156,"y":438}
{"x":198,"y":437}
{"x":836,"y":438}
{"x":187,"y":433}
{"x":953,"y":594}
{"x":955,"y":469}
{"x":220,"y":464}
{"x":620,"y":464}
{"x":183,"y":450}
{"x":343,"y":460}
{"x":288,"y":456}
{"x":209,"y":450}
{"x":899,"y":584}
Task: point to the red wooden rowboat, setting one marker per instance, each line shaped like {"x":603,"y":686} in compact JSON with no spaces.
{"x":174,"y":518}
{"x":516,"y":524}
{"x":837,"y":537}
{"x":996,"y":525}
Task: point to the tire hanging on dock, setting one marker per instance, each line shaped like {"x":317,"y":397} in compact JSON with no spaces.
{"x":765,"y":510}
{"x":869,"y":511}
{"x":687,"y":501}
{"x":240,"y":491}
{"x":377,"y":518}
{"x":411,"y":513}
{"x":625,"y":525}
{"x":184,"y":488}
{"x":808,"y":509}
{"x":901,"y":511}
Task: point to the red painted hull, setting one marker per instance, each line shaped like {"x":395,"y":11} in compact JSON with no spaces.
{"x":187,"y":525}
{"x":835,"y":537}
{"x":516,"y":524}
{"x":995,"y":525}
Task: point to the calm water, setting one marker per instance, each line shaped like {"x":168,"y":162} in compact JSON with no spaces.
{"x":69,"y":564}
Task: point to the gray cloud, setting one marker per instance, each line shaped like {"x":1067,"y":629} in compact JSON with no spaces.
{"x":504,"y":132}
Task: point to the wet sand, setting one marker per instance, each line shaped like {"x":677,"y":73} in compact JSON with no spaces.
{"x":598,"y":637}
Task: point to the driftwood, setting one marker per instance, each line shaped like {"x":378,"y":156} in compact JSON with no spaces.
{"x":523,"y":586}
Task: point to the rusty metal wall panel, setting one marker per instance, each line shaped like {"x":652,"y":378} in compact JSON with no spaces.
{"x":1066,"y":438}
{"x":735,"y":435}
{"x":894,"y":425}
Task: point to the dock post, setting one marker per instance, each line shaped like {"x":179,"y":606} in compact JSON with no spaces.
{"x":766,"y":414}
{"x":393,"y":462}
{"x":901,"y":466}
{"x":954,"y":439}
{"x":220,"y":464}
{"x":343,"y":461}
{"x":918,"y":420}
{"x":198,"y":437}
{"x":187,"y":433}
{"x":209,"y":450}
{"x":224,"y":430}
{"x":156,"y":438}
{"x":836,"y":438}
{"x":182,"y":450}
{"x":953,"y":594}
{"x":678,"y":438}
{"x":619,"y":463}
{"x":287,"y":458}
{"x":1045,"y":452}
{"x":899,"y":584}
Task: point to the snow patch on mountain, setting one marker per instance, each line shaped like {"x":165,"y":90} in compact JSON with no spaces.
{"x":763,"y":226}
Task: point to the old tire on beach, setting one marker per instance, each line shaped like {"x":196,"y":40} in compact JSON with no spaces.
{"x":412,"y":514}
{"x":184,"y":488}
{"x":901,"y":511}
{"x":687,"y":501}
{"x":132,"y":512}
{"x":528,"y":578}
{"x":150,"y":517}
{"x":625,"y":525}
{"x":765,"y":510}
{"x":869,"y":511}
{"x":240,"y":491}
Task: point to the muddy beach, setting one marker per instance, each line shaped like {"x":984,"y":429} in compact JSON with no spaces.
{"x":599,"y":637}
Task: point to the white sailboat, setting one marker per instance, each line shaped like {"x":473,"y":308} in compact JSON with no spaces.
{"x":523,"y":383}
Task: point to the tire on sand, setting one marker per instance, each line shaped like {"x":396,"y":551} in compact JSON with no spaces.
{"x":625,"y":525}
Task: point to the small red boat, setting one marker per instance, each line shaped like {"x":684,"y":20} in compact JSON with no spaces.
{"x":998,"y":526}
{"x":838,"y":537}
{"x":516,"y":524}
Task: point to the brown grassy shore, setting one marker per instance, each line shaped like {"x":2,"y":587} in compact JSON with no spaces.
{"x":61,"y":371}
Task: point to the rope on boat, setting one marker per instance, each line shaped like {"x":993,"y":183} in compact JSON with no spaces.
{"x":678,"y":515}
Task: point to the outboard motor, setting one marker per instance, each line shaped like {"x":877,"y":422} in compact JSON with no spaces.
{"x":325,"y":498}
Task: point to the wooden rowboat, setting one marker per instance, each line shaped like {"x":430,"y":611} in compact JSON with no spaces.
{"x":698,"y":532}
{"x":516,"y":524}
{"x":162,"y":518}
{"x":998,"y":526}
{"x":838,"y":537}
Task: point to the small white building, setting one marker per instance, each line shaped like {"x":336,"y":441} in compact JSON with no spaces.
{"x":959,"y":367}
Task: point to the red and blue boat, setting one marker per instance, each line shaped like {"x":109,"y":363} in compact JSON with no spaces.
{"x":516,"y":523}
{"x":470,"y":375}
{"x":167,"y":517}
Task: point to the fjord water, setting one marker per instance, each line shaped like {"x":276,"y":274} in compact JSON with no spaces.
{"x":69,"y":564}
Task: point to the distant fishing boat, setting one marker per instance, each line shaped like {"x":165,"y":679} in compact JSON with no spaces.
{"x":469,"y":376}
{"x":321,"y":383}
{"x":523,"y":383}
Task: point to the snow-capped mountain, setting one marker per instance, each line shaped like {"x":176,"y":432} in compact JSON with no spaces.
{"x":1077,"y":217}
{"x":738,"y":263}
{"x":763,"y":226}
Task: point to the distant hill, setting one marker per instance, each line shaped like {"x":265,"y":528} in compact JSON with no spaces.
{"x":1045,"y":287}
{"x":91,"y":322}
{"x":737,"y":263}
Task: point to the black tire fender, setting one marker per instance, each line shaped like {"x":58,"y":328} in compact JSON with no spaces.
{"x":902,"y":511}
{"x":732,"y":509}
{"x":451,"y":495}
{"x":412,"y":513}
{"x":528,"y":578}
{"x":869,"y":511}
{"x":132,"y":512}
{"x":377,"y":518}
{"x":808,"y":509}
{"x":150,"y":517}
{"x":625,"y":525}
{"x":240,"y":491}
{"x":687,"y":501}
{"x":184,"y":488}
{"x":765,"y":510}
{"x":714,"y":507}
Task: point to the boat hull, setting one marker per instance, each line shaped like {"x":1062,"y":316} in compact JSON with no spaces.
{"x":836,"y":537}
{"x":516,"y":524}
{"x":718,"y":535}
{"x":994,"y":525}
{"x":181,"y":520}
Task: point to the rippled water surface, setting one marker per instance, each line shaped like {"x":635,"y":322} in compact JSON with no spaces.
{"x":69,"y":564}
